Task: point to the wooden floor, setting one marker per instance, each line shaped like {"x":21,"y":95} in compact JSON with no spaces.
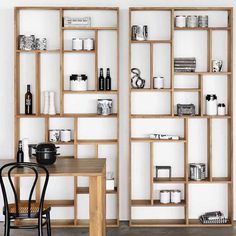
{"x":124,"y":230}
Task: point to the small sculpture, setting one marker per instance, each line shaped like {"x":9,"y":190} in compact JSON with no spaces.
{"x":136,"y":81}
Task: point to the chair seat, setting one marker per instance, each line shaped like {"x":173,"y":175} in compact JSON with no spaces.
{"x":23,"y":208}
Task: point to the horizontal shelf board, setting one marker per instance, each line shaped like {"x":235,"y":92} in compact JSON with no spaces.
{"x":147,"y":203}
{"x":156,"y":140}
{"x":153,"y":116}
{"x":151,"y":41}
{"x":109,"y":223}
{"x":180,"y":8}
{"x":215,"y":180}
{"x":187,"y":90}
{"x":59,"y":203}
{"x":38,"y":51}
{"x":202,"y":73}
{"x":169,"y":180}
{"x":67,"y":115}
{"x":197,"y":223}
{"x":91,"y":92}
{"x":97,"y":141}
{"x":201,"y":28}
{"x":89,"y":28}
{"x":151,"y":90}
{"x":156,"y":223}
{"x":63,"y":143}
{"x":79,"y":51}
{"x":85,"y":190}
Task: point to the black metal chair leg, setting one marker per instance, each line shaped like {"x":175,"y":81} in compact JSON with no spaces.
{"x":40,"y":226}
{"x":7,"y":226}
{"x":48,"y":224}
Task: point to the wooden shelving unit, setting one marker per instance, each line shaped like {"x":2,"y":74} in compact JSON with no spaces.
{"x":153,"y":202}
{"x":76,"y":141}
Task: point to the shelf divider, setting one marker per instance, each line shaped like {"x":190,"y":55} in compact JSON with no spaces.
{"x":151,"y":171}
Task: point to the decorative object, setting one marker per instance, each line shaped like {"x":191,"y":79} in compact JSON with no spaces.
{"x":165,"y":196}
{"x":185,"y":109}
{"x":52,"y":108}
{"x":110,"y":181}
{"x":78,"y":82}
{"x":221,"y":109}
{"x":46,"y":153}
{"x":65,"y":135}
{"x":217,"y":65}
{"x":27,"y":42}
{"x":158,"y":82}
{"x":136,"y":81}
{"x":104,"y":107}
{"x":139,"y":32}
{"x":167,"y":168}
{"x":180,"y":21}
{"x":54,"y":135}
{"x":215,"y":217}
{"x":41,"y":44}
{"x":175,"y":196}
{"x":88,"y":44}
{"x":77,"y":44}
{"x":192,"y":21}
{"x":203,"y":21}
{"x":25,"y":147}
{"x":164,"y":137}
{"x":185,"y":64}
{"x":46,"y":102}
{"x":211,"y":104}
{"x":77,"y":21}
{"x":197,"y":171}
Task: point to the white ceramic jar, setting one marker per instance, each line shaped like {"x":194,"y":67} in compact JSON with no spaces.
{"x":192,"y":21}
{"x":65,"y":135}
{"x":88,"y":44}
{"x":78,"y":82}
{"x":164,"y":196}
{"x":211,"y":104}
{"x":180,"y":21}
{"x":175,"y":196}
{"x":77,"y":44}
{"x":158,"y":82}
{"x":221,"y":109}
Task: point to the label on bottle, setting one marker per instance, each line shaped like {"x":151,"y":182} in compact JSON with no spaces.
{"x":28,"y":102}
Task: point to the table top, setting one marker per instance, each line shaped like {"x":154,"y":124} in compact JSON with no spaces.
{"x":67,"y":167}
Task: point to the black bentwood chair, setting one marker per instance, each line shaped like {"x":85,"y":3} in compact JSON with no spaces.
{"x":20,"y":212}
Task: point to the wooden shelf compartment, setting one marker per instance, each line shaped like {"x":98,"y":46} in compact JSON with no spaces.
{"x":96,"y":141}
{"x":147,"y":203}
{"x":91,"y":92}
{"x":164,"y":90}
{"x":85,"y":190}
{"x":158,"y":223}
{"x":201,"y":28}
{"x":149,"y":140}
{"x":89,"y":28}
{"x":215,"y":180}
{"x":169,"y":180}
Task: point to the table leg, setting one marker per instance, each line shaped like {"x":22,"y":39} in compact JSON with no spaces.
{"x":97,"y":206}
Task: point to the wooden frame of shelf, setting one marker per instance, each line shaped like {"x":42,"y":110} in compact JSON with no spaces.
{"x":228,"y":75}
{"x":76,"y":141}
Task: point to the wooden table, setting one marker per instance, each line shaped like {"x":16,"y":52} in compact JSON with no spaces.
{"x":95,"y":169}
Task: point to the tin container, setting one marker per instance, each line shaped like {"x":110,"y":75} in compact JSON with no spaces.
{"x":65,"y":135}
{"x":180,"y":21}
{"x":54,"y":135}
{"x":104,"y":107}
{"x":192,"y":21}
{"x":27,"y":42}
{"x":165,"y":196}
{"x":217,"y":65}
{"x":41,"y":44}
{"x":175,"y":196}
{"x":77,"y":21}
{"x":139,"y":32}
{"x":77,"y":44}
{"x":221,"y":109}
{"x":88,"y":44}
{"x":158,"y":82}
{"x":197,"y":171}
{"x":211,"y":104}
{"x":203,"y":21}
{"x":78,"y":82}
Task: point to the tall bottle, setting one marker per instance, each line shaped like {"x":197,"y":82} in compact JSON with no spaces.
{"x":28,"y":101}
{"x":108,"y":80}
{"x":20,"y":153}
{"x":101,"y":80}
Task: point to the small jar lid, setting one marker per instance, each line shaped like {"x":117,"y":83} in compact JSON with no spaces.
{"x":164,"y":191}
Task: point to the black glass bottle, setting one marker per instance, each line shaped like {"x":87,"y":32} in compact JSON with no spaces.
{"x":20,"y":153}
{"x":108,"y":80}
{"x":101,"y":80}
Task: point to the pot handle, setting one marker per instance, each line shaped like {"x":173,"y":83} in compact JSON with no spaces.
{"x":58,"y":154}
{"x":57,"y":147}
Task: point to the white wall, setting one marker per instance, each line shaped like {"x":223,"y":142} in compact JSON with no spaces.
{"x":7,"y":72}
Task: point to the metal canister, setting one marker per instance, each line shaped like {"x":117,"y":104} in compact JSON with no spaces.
{"x":139,"y":32}
{"x":203,"y":21}
{"x":88,"y":44}
{"x":158,"y":82}
{"x":104,"y":107}
{"x":27,"y":42}
{"x":192,"y":21}
{"x":197,"y":171}
{"x":54,"y":135}
{"x":165,"y":196}
{"x":77,"y":44}
{"x":65,"y":135}
{"x":41,"y":44}
{"x":175,"y":196}
{"x":180,"y":21}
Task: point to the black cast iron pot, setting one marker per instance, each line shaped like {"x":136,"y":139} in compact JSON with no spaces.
{"x":46,"y":153}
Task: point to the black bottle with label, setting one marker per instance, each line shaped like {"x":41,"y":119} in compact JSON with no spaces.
{"x":20,"y":153}
{"x":101,"y":80}
{"x":28,"y":101}
{"x":108,"y":80}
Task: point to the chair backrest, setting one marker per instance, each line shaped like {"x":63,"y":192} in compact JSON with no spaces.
{"x":34,"y":168}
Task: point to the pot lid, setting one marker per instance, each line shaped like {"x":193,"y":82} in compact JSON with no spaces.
{"x":46,"y":147}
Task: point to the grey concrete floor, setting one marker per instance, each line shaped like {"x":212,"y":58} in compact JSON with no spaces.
{"x":124,"y":230}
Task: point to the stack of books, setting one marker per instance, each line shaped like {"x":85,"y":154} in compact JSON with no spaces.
{"x":185,"y":64}
{"x":215,"y":217}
